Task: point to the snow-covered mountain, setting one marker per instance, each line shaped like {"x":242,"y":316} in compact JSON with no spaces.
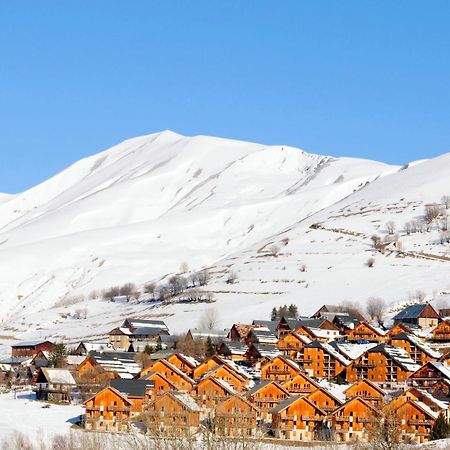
{"x":135,"y":212}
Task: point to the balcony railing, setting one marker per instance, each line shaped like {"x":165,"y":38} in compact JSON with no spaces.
{"x":118,"y":408}
{"x":420,"y":422}
{"x":312,"y":418}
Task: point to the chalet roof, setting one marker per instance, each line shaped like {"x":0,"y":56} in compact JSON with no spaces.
{"x":300,"y":337}
{"x":187,"y":401}
{"x":352,"y":351}
{"x":122,"y":396}
{"x":439,"y":404}
{"x":441,"y":368}
{"x":399,"y":355}
{"x":30,"y":343}
{"x":57,"y":376}
{"x":17,"y":360}
{"x":270,"y":324}
{"x":235,"y":397}
{"x":95,"y":346}
{"x":419,"y":343}
{"x":425,"y":408}
{"x":331,"y":350}
{"x":148,"y":331}
{"x":263,"y":384}
{"x":288,"y":361}
{"x":243,"y":329}
{"x":223,"y":384}
{"x":137,"y":323}
{"x":175,"y":369}
{"x":412,"y":312}
{"x":132,"y":388}
{"x":285,"y":403}
{"x":270,"y":351}
{"x":74,"y":360}
{"x":120,"y":331}
{"x":370,"y":383}
{"x":122,"y":363}
{"x":161,"y":354}
{"x":235,"y":347}
{"x":264,"y":334}
{"x":203,"y":334}
{"x":334,"y":390}
{"x":191,"y":361}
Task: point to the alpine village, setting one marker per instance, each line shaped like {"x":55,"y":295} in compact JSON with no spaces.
{"x":334,"y":376}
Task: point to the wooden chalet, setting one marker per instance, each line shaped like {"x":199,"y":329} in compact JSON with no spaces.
{"x":225,"y":372}
{"x":173,"y":414}
{"x":299,"y":419}
{"x":40,"y":359}
{"x":291,"y":344}
{"x":399,"y":328}
{"x":185,"y":363}
{"x":440,"y":389}
{"x":31,"y":348}
{"x":417,"y":349}
{"x":140,"y":392}
{"x":211,"y":391}
{"x":368,"y":391}
{"x":441,"y":333}
{"x":162,"y":384}
{"x":312,"y":329}
{"x":236,"y":417}
{"x":415,"y":421}
{"x":207,"y":365}
{"x":354,"y":420}
{"x":266,"y":395}
{"x":300,"y":383}
{"x":234,"y":350}
{"x":108,"y":410}
{"x":382,"y":364}
{"x":365,"y":331}
{"x":54,"y":385}
{"x":325,"y":400}
{"x":322,"y":360}
{"x":279,"y":369}
{"x":172,"y":373}
{"x":422,"y":315}
{"x":429,"y":374}
{"x":259,"y":354}
{"x":239,"y":332}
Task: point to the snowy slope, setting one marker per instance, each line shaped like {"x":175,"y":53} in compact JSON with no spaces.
{"x":135,"y":212}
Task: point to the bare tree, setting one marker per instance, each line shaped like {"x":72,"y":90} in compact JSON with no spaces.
{"x":390,"y":227}
{"x":127,"y":290}
{"x":446,"y":201}
{"x":111,"y":293}
{"x":209,"y":319}
{"x":375,"y":308}
{"x":177,"y":284}
{"x":150,"y":288}
{"x":184,"y":267}
{"x":203,"y":277}
{"x":432,"y":212}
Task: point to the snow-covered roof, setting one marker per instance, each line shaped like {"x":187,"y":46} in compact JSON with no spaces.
{"x":352,"y":351}
{"x":122,"y":363}
{"x":399,"y":355}
{"x":425,"y":408}
{"x":58,"y":376}
{"x":75,"y":360}
{"x":188,"y":401}
{"x":336,"y":390}
{"x":419,"y":343}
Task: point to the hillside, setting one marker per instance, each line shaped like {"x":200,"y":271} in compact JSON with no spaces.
{"x":135,"y":212}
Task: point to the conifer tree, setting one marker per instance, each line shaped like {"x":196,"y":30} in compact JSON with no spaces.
{"x":441,"y":428}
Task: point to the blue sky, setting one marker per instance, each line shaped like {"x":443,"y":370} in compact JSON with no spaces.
{"x":353,"y":78}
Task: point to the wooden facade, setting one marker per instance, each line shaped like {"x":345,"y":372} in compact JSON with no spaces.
{"x":183,"y":362}
{"x":280,"y":369}
{"x":210,"y":392}
{"x":173,"y":414}
{"x":368,"y":391}
{"x":319,"y":362}
{"x":418,"y":351}
{"x":230,"y":376}
{"x":441,"y":333}
{"x":292,"y":344}
{"x":364,"y":331}
{"x":173,"y":374}
{"x":324,"y":400}
{"x":354,"y":420}
{"x":297,"y":418}
{"x":266,"y":395}
{"x":300,"y":383}
{"x":108,"y":410}
{"x":236,"y":417}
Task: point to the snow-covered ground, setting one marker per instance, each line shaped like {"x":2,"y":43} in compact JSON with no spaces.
{"x":35,"y":419}
{"x":135,"y":212}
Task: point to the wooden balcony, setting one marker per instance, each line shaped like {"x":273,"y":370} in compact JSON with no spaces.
{"x":312,"y":418}
{"x":92,"y":408}
{"x":425,"y":422}
{"x":118,"y":409}
{"x":343,"y":418}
